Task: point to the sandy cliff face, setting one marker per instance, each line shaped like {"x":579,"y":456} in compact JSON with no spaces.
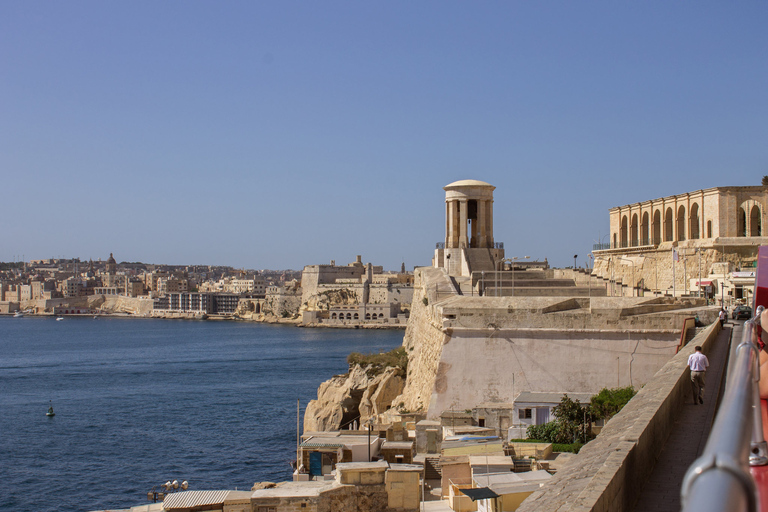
{"x":356,"y":395}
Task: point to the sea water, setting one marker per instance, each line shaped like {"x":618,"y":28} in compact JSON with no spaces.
{"x":139,"y":402}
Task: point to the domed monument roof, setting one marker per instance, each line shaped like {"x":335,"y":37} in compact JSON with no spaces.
{"x":111,"y":259}
{"x":468,"y":183}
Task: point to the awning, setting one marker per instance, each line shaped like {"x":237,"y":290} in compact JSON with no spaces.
{"x":703,"y":283}
{"x":479,"y":493}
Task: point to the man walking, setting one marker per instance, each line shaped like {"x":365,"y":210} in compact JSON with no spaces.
{"x":698,"y":363}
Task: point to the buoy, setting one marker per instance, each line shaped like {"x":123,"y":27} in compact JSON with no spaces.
{"x":50,"y":412}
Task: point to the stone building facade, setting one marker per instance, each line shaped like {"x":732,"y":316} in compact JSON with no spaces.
{"x":721,"y":212}
{"x":701,"y":241}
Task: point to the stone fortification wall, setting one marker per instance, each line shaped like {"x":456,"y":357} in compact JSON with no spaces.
{"x":314,"y":275}
{"x":387,"y":294}
{"x":327,"y":295}
{"x":131,"y":305}
{"x":282,"y":305}
{"x":608,"y":472}
{"x":469,"y":350}
{"x":571,"y":313}
{"x":107,"y":303}
{"x":655,"y":265}
{"x":494,"y":365}
{"x":424,"y":340}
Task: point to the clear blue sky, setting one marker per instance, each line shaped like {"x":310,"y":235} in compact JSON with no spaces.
{"x":281,"y":134}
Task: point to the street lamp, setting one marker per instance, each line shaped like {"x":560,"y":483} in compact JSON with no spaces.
{"x":574,"y":261}
{"x":656,"y":274}
{"x":513,"y":270}
{"x":499,"y":269}
{"x":633,"y":272}
{"x":370,"y":427}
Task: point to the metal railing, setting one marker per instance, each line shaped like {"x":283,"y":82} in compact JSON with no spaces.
{"x":720,"y":480}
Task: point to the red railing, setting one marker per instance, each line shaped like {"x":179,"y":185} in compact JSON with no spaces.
{"x":732,"y":473}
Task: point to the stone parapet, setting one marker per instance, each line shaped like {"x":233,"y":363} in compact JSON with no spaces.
{"x":607,"y":474}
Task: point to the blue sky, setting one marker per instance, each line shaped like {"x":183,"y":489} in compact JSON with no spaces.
{"x":282,"y":134}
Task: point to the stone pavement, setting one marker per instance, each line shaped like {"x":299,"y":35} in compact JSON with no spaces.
{"x":689,"y":436}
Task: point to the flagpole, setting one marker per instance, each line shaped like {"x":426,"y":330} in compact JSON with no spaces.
{"x":674,"y":259}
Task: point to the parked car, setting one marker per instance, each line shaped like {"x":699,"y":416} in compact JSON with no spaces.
{"x":744,"y":312}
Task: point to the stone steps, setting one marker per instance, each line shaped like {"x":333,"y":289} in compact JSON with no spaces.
{"x":432,"y":469}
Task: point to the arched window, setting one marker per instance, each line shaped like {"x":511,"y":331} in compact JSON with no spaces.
{"x":349,"y":316}
{"x":755,"y":227}
{"x":741,"y":223}
{"x":681,"y":223}
{"x":357,"y":317}
{"x":668,"y":234}
{"x":624,"y":231}
{"x":367,"y":316}
{"x":709,"y":229}
{"x":657,"y":227}
{"x":633,"y":230}
{"x":644,"y":238}
{"x":694,"y":221}
{"x":333,"y":316}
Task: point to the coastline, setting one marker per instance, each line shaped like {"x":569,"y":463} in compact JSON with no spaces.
{"x":215,"y":318}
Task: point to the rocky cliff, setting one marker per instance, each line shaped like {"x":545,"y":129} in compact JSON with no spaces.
{"x":358,"y":395}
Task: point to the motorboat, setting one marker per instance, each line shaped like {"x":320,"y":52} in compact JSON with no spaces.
{"x":59,"y":318}
{"x":18,"y":314}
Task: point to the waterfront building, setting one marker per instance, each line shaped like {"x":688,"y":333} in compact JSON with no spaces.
{"x":355,"y":294}
{"x":195,"y":304}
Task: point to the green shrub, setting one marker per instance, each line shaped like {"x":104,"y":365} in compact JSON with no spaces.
{"x":608,"y":402}
{"x":570,"y":448}
{"x":377,"y":363}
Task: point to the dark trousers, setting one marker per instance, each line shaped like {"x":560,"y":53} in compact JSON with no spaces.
{"x":697,"y":386}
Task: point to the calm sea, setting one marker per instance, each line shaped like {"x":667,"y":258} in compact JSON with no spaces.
{"x":140,"y":402}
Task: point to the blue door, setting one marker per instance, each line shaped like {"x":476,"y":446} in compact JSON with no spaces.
{"x":315,"y":464}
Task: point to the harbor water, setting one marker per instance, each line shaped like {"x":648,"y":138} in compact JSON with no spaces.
{"x":138,"y":402}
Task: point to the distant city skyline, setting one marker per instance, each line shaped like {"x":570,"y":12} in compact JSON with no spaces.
{"x":278,"y":135}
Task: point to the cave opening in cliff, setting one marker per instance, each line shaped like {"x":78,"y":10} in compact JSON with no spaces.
{"x":351,"y":408}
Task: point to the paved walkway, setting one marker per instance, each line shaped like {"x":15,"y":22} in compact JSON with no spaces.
{"x":692,"y":426}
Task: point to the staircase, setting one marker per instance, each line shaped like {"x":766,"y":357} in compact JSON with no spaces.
{"x":432,"y":469}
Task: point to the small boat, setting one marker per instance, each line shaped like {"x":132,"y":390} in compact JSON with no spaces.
{"x":59,"y":318}
{"x":50,"y":412}
{"x":18,"y":314}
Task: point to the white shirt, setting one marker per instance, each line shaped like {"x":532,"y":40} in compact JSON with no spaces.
{"x":698,"y":362}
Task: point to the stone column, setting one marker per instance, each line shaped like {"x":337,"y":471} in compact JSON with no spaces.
{"x":483,"y":223}
{"x":463,"y":238}
{"x":489,"y":204}
{"x":447,"y":224}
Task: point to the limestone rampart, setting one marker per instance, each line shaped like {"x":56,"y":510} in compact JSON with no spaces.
{"x":607,"y":474}
{"x":494,"y":365}
{"x":423,"y":341}
{"x":651,"y":267}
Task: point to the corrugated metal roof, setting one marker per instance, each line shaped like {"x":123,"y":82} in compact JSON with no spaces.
{"x":527,"y":397}
{"x":321,"y":444}
{"x":188,"y":499}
